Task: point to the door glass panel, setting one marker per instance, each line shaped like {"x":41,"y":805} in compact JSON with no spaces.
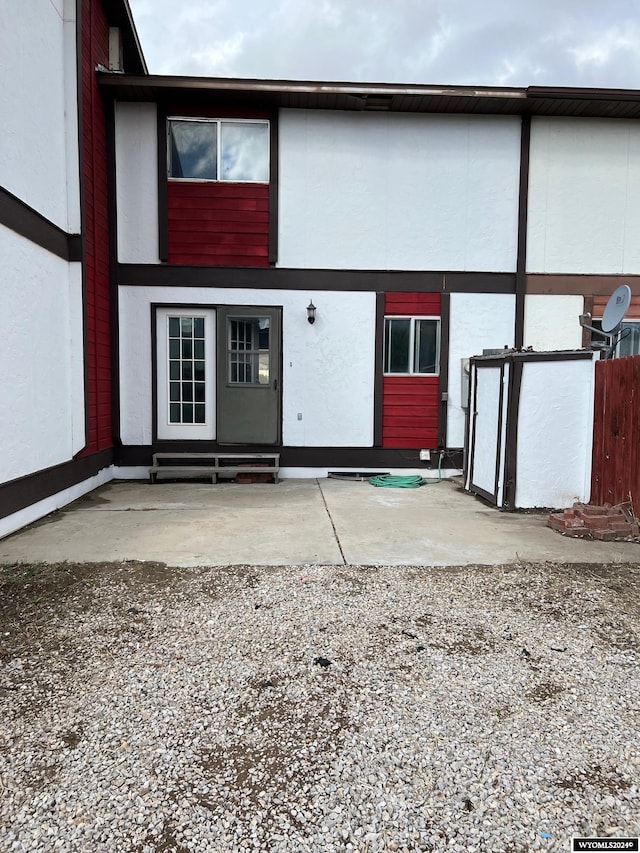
{"x":186,"y":340}
{"x":248,"y":350}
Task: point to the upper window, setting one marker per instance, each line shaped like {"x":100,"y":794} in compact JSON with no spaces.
{"x":628,"y":340}
{"x":216,"y":150}
{"x":411,"y":345}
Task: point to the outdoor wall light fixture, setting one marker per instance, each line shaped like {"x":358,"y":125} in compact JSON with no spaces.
{"x":311,"y":313}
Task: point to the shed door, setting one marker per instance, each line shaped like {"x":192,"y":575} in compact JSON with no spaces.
{"x":487,"y":429}
{"x":249,"y":375}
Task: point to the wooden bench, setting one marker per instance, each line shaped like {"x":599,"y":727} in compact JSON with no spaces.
{"x":214,"y":465}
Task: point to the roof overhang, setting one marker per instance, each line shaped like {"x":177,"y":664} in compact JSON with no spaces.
{"x":534,"y":100}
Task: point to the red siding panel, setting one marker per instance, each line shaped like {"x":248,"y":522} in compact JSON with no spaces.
{"x":95,"y":50}
{"x":410,"y":411}
{"x":410,"y":403}
{"x":218,"y":224}
{"x":412,"y":304}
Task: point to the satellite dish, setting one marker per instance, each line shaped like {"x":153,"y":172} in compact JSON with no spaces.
{"x":617,"y":307}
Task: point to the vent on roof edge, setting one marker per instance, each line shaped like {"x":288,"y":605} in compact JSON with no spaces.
{"x":116,"y":62}
{"x":378,"y":102}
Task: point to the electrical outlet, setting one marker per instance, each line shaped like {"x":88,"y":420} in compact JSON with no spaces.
{"x":425,"y":456}
{"x":299,"y":416}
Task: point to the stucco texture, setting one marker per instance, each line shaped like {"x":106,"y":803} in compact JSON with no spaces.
{"x":584,"y":196}
{"x":363,"y":191}
{"x":327,"y":368}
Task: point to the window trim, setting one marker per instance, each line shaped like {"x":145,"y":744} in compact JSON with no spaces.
{"x":219,"y":121}
{"x":412,"y":339}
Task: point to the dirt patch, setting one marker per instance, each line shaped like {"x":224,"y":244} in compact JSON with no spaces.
{"x":545,"y":690}
{"x":164,"y":842}
{"x":607,"y":781}
{"x":471,"y":640}
{"x":25,"y":586}
{"x":244,"y":767}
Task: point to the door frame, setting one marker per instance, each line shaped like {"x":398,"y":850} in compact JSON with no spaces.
{"x":185,"y":307}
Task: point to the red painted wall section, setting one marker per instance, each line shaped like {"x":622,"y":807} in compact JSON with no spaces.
{"x":95,"y":49}
{"x":410,"y":403}
{"x":615,"y":473}
{"x":412,"y":304}
{"x":218,"y":224}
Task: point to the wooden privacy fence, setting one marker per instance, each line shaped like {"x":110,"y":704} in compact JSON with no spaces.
{"x":615,"y":473}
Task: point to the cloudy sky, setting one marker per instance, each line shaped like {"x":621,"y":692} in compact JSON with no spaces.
{"x":481,"y":42}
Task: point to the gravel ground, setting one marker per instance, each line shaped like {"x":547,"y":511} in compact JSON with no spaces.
{"x":150,"y":709}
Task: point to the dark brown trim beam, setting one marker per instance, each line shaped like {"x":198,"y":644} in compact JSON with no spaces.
{"x":562,"y":93}
{"x":273,"y":187}
{"x":521,"y":261}
{"x":445,"y":314}
{"x":154,"y":366}
{"x":334,"y":458}
{"x":501,"y":438}
{"x":511,"y":429}
{"x":26,"y":491}
{"x":580,"y":285}
{"x":163,"y":208}
{"x":378,"y":380}
{"x":562,"y":355}
{"x":586,"y":333}
{"x":114,"y":312}
{"x":279,"y":278}
{"x":80,"y":48}
{"x":27,"y":222}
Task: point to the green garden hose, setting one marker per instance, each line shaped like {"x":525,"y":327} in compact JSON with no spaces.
{"x":407,"y":481}
{"x":396,"y":482}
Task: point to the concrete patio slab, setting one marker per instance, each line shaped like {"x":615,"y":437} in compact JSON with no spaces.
{"x":441,"y":525}
{"x":185,"y":524}
{"x":296,"y":522}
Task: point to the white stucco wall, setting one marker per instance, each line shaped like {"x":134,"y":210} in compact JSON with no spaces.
{"x":327,"y":368}
{"x":42,"y":412}
{"x":398,"y":191}
{"x":477,"y":321}
{"x":72,"y":148}
{"x":38,"y":146}
{"x":555,"y":433}
{"x":551,"y":322}
{"x":137,"y":182}
{"x":584,"y":196}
